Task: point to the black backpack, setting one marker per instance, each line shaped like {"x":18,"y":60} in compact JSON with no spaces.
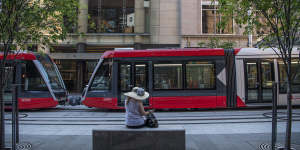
{"x":151,"y":121}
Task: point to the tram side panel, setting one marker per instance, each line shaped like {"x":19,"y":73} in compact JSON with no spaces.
{"x":221,"y":84}
{"x":194,"y":94}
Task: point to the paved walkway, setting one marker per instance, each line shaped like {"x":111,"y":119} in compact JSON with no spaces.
{"x":200,"y":135}
{"x":239,"y":139}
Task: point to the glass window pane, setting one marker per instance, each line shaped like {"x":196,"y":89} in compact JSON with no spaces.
{"x":102,"y":79}
{"x":52,"y":73}
{"x":7,"y":95}
{"x":90,"y":66}
{"x":252,"y":75}
{"x":200,"y":75}
{"x":212,"y":21}
{"x":295,"y":77}
{"x":111,"y":16}
{"x":125,"y":77}
{"x":167,"y":76}
{"x":266,"y":70}
{"x":208,"y":19}
{"x":140,"y":76}
{"x":67,"y":69}
{"x":31,"y":78}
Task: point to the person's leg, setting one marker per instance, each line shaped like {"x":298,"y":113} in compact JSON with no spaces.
{"x":139,"y":126}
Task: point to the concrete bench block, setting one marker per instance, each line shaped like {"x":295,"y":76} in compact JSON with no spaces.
{"x":122,"y":138}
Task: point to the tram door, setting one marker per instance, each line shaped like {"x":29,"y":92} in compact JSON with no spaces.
{"x":132,"y":75}
{"x":259,"y":78}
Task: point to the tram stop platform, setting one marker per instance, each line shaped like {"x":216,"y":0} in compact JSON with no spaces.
{"x":79,"y":138}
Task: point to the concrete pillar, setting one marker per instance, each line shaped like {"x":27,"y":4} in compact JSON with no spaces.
{"x":139,"y":21}
{"x":81,"y":45}
{"x":83,"y":16}
{"x":155,"y":21}
{"x":80,"y":67}
{"x":139,"y":14}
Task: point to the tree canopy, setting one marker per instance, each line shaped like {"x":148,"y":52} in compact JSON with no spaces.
{"x":24,"y":22}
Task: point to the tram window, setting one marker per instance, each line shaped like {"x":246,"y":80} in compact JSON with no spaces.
{"x":7,"y":95}
{"x":9,"y":79}
{"x":168,"y":76}
{"x":295,"y":77}
{"x":200,"y":75}
{"x":31,"y":78}
{"x":102,"y":79}
{"x":140,"y":75}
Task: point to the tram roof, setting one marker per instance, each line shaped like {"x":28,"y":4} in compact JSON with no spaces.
{"x":164,"y":52}
{"x":20,"y":55}
{"x":262,"y":52}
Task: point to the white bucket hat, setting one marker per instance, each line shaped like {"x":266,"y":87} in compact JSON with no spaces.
{"x":137,"y":93}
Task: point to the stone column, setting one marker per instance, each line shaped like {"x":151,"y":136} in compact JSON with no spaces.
{"x":83,"y":16}
{"x":139,"y":19}
{"x":155,"y":21}
{"x":81,"y":45}
{"x":80,"y":65}
{"x":139,"y":14}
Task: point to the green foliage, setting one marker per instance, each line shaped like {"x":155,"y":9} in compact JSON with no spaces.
{"x":227,"y":45}
{"x":272,"y":18}
{"x":36,"y":21}
{"x":202,"y":44}
{"x":215,"y":43}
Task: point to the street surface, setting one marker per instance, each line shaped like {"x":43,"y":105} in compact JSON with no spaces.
{"x":70,"y":128}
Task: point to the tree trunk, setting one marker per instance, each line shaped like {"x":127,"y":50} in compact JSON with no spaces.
{"x":289,"y":112}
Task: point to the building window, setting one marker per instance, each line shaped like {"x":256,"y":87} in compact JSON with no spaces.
{"x":168,"y":76}
{"x":211,"y":21}
{"x":111,"y":16}
{"x":200,"y":75}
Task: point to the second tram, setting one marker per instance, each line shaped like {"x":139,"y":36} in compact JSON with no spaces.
{"x":190,"y":78}
{"x":40,"y":83}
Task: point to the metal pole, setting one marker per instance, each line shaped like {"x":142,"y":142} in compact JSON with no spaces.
{"x":2,"y":121}
{"x":274,"y":115}
{"x":15,"y":109}
{"x":250,"y":40}
{"x":13,"y":120}
{"x":18,"y":88}
{"x":2,"y":135}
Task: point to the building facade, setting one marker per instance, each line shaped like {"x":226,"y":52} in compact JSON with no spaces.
{"x":137,"y":24}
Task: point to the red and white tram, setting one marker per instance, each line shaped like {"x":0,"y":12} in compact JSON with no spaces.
{"x":189,"y":78}
{"x":41,"y":83}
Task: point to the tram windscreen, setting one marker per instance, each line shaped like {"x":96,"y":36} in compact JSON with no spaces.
{"x":31,"y":78}
{"x":52,"y":73}
{"x":102,"y":78}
